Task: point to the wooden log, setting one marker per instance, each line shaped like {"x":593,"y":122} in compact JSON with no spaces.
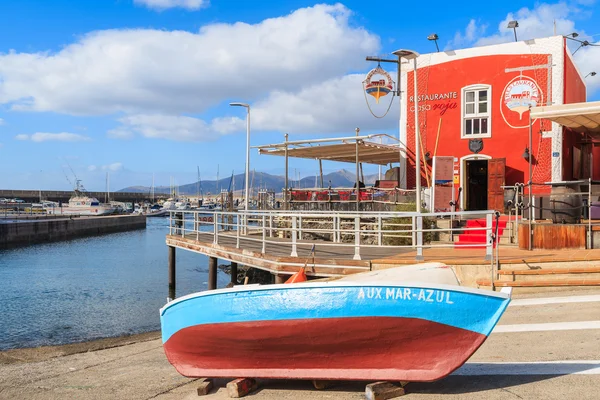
{"x":234,"y":272}
{"x":172,"y":264}
{"x":241,"y":387}
{"x":205,"y":385}
{"x":383,"y":391}
{"x":212,"y":273}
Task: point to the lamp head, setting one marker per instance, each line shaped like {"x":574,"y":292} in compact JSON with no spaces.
{"x":407,"y":54}
{"x":239,"y":105}
{"x":513,"y":24}
{"x":433,"y":36}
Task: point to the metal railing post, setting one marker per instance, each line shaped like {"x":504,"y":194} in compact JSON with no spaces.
{"x":216,"y":229}
{"x":264,"y":234}
{"x":379,"y":230}
{"x":237,"y":231}
{"x":414,"y":231}
{"x":170,"y":223}
{"x":294,"y":248}
{"x":182,"y":224}
{"x":197,"y":225}
{"x":589,"y":246}
{"x":357,"y":238}
{"x":419,"y":238}
{"x":300,"y":227}
{"x":489,"y":245}
{"x":270,"y":225}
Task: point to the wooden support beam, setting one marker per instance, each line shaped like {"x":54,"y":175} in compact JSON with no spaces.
{"x":541,"y":283}
{"x":279,"y":278}
{"x":205,"y":385}
{"x":172,"y":262}
{"x":383,"y":391}
{"x":212,"y":273}
{"x":552,"y":271}
{"x":234,"y":272}
{"x":241,"y":387}
{"x":322,"y":385}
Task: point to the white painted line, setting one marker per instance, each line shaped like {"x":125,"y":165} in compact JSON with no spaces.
{"x":555,"y":300}
{"x":574,"y":367}
{"x":550,"y":326}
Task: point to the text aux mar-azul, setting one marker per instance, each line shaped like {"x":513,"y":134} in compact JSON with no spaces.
{"x":425,"y":295}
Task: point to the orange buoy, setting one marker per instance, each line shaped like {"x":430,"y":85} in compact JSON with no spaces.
{"x":299,"y":276}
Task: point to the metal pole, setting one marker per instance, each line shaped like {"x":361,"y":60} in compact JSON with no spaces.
{"x":247,"y":157}
{"x":212,"y":273}
{"x":357,"y":176}
{"x":172,"y":275}
{"x":530,"y":245}
{"x":321,"y":171}
{"x":402,"y":146}
{"x":285,"y":190}
{"x":417,"y":139}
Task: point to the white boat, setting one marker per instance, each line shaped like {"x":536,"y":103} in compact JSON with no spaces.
{"x":79,"y":204}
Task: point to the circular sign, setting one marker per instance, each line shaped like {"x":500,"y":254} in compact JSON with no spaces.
{"x":519,"y":95}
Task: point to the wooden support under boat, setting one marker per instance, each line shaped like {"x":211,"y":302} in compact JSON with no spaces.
{"x":384,"y":390}
{"x":241,"y":387}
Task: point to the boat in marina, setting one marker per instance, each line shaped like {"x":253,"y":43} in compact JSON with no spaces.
{"x":81,"y":203}
{"x":410,"y":323}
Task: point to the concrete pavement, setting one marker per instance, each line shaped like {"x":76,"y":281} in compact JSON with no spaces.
{"x":560,"y":364}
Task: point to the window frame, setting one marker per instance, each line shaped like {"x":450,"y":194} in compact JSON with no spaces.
{"x":463,"y":117}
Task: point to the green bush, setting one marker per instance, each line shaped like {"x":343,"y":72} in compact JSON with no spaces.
{"x":406,"y":241}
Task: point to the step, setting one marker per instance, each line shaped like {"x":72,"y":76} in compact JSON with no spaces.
{"x":541,"y":283}
{"x":552,"y":271}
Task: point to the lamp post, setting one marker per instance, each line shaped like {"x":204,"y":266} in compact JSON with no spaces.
{"x":434,"y":37}
{"x":407,"y":54}
{"x":513,"y":25}
{"x":247,"y":191}
{"x":590,"y":74}
{"x":410,"y":54}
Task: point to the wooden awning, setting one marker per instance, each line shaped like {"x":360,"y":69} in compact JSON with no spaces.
{"x":579,"y":117}
{"x":368,"y":152}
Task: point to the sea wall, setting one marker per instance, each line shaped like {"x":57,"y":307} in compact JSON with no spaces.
{"x":39,"y":231}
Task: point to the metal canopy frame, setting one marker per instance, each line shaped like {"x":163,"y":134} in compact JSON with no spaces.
{"x":338,"y":149}
{"x":352,"y":149}
{"x":579,"y":117}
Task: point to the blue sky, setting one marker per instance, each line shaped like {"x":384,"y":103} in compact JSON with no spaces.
{"x":142,"y":87}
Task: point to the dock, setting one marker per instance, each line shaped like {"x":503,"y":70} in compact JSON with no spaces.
{"x":23,"y":232}
{"x":331,"y":244}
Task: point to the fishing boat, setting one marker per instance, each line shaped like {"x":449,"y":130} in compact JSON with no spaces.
{"x":81,"y":203}
{"x":411,"y":323}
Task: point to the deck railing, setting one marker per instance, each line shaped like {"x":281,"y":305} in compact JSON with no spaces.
{"x":353,"y":230}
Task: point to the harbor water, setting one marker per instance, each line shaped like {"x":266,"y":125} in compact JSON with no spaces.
{"x":94,"y":287}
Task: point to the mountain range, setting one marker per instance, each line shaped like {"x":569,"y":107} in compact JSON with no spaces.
{"x":258,"y":180}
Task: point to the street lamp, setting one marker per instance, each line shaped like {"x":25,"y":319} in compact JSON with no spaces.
{"x":434,"y":37}
{"x":513,"y":25}
{"x":247,"y":192}
{"x":410,"y":54}
{"x":590,"y":74}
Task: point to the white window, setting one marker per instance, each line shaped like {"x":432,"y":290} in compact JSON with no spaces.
{"x":476,"y":116}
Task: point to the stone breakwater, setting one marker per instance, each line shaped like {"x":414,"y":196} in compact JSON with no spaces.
{"x":24,"y":233}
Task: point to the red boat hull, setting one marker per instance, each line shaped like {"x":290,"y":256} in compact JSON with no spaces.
{"x":358,"y":348}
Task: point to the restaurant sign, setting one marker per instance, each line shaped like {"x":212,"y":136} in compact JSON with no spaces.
{"x":378,"y":83}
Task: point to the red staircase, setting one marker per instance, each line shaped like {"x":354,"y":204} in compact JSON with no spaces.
{"x":478,"y":237}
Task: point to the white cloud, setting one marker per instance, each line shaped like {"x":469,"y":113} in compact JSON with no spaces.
{"x":539,"y":22}
{"x":57,"y":137}
{"x":117,"y":166}
{"x":173,"y":127}
{"x":1,"y":121}
{"x":145,"y":71}
{"x":165,"y":4}
{"x":92,"y":168}
{"x":334,"y":106}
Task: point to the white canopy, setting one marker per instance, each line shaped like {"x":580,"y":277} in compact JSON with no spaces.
{"x":579,"y":117}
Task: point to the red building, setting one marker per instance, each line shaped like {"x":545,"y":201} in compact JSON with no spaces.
{"x":473,"y":105}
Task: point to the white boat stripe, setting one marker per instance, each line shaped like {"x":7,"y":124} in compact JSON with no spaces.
{"x":550,"y":326}
{"x":573,"y":367}
{"x":555,"y":300}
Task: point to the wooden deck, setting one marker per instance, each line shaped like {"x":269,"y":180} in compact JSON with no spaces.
{"x":333,"y":260}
